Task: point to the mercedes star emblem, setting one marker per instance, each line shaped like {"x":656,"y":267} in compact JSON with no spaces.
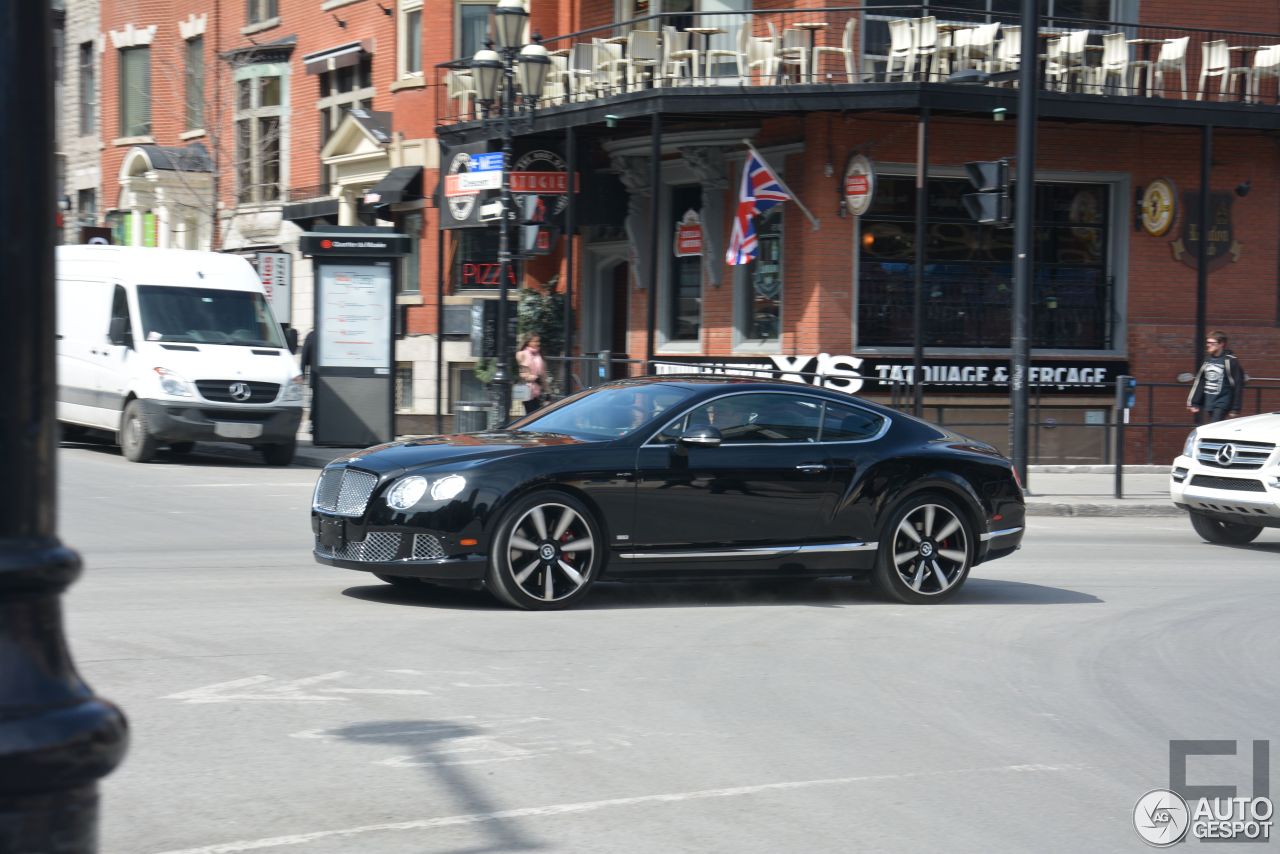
{"x":1226,"y":455}
{"x":240,"y":391}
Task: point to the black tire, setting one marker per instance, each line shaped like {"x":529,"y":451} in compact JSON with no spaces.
{"x":181,"y":448}
{"x":1223,"y":533}
{"x":136,"y":441}
{"x":546,"y":552}
{"x":926,"y":550}
{"x":279,"y":455}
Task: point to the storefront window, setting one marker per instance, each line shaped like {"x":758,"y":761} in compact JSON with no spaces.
{"x":968,"y":276}
{"x":758,"y":314}
{"x":474,"y":261}
{"x":684,"y":298}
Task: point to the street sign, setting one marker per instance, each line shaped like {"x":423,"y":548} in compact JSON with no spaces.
{"x":491,"y":162}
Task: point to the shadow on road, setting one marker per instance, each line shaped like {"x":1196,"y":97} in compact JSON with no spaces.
{"x":442,"y":749}
{"x":816,"y":593}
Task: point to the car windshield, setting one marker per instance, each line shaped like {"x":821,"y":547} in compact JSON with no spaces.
{"x":207,"y":316}
{"x":606,"y":413}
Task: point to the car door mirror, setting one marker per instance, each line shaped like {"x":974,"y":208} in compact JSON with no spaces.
{"x":118,"y":333}
{"x":705,"y":436}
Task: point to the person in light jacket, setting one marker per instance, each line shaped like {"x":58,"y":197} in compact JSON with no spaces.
{"x":533,"y":370}
{"x":1218,"y":389}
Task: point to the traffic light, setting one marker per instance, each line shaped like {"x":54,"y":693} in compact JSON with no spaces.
{"x":537,"y":236}
{"x":992,"y":203}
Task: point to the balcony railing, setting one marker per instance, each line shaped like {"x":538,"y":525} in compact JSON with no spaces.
{"x":854,"y":46}
{"x":312,"y":193}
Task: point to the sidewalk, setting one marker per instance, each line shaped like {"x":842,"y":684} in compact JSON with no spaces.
{"x":1054,"y":490}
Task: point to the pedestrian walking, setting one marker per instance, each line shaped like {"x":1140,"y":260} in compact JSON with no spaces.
{"x":307,"y":361}
{"x":533,"y":370}
{"x":1218,"y":389}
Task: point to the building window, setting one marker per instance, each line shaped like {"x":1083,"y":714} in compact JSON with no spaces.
{"x":88,"y":90}
{"x":410,"y":282}
{"x":258,"y":11}
{"x":87,"y":205}
{"x":969,"y":269}
{"x":684,"y":296}
{"x":343,"y":89}
{"x":259,"y":129}
{"x":195,"y":83}
{"x":404,"y":386}
{"x":135,"y":91}
{"x":758,"y":287}
{"x":474,"y":262}
{"x":473,"y":26}
{"x":59,"y":45}
{"x":410,"y":38}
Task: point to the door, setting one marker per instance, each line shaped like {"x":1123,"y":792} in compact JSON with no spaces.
{"x":765,"y":486}
{"x":617,"y":320}
{"x":84,"y":310}
{"x":114,"y":360}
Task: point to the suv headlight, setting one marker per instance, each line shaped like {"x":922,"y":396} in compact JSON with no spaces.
{"x":1189,"y":449}
{"x":173,"y":383}
{"x":293,"y":391}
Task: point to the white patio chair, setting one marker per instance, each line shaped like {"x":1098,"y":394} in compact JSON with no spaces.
{"x":1215,"y":61}
{"x":643,"y":57}
{"x":461,"y":87}
{"x":845,"y":50}
{"x":794,"y":54}
{"x":1114,"y":69}
{"x":610,"y":76}
{"x":582,"y":72}
{"x":981,"y":49}
{"x":1266,"y":63}
{"x":762,"y":60}
{"x":680,"y":62}
{"x":1066,"y":61}
{"x":901,"y":50}
{"x":1172,"y":57}
{"x":925,"y":47}
{"x":1008,"y":51}
{"x":556,"y":89}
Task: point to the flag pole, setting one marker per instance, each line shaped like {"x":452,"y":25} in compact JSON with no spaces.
{"x":812,"y":219}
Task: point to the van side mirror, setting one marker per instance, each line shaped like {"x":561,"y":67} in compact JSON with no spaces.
{"x":291,"y":338}
{"x":118,"y":333}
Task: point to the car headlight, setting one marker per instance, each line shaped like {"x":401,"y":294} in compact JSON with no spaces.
{"x":173,"y":383}
{"x":406,"y":492}
{"x":293,"y":391}
{"x":448,"y":486}
{"x":1189,"y":449}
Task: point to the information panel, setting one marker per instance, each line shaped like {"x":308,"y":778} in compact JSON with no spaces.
{"x":354,"y":327}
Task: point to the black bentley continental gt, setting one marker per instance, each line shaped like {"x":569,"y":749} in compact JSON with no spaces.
{"x":675,"y":477}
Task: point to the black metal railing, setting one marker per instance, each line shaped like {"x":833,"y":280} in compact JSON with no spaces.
{"x":806,"y":47}
{"x":309,"y":193}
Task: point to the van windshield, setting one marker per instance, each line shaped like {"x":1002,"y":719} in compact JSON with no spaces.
{"x":207,"y":316}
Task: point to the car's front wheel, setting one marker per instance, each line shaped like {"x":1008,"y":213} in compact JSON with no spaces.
{"x":926,"y":550}
{"x":546,"y":553}
{"x":1224,"y":533}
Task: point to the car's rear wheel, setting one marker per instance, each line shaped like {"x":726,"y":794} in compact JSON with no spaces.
{"x":1224,"y":533}
{"x":926,"y":550}
{"x":136,"y":441}
{"x":547,"y":552}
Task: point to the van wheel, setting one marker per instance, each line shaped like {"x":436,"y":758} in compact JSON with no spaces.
{"x":136,"y":441}
{"x":279,"y":455}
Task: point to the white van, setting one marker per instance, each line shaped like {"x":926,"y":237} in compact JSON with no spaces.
{"x":171,"y":347}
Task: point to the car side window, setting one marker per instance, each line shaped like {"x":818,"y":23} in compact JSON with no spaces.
{"x":754,"y":418}
{"x":841,"y":423}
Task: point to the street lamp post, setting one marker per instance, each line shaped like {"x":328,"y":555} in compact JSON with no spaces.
{"x":496,"y":74}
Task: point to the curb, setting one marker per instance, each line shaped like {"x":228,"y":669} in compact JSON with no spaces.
{"x":1091,"y":508}
{"x":1096,"y":469}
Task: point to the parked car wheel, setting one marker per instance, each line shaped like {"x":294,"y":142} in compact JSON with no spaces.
{"x":136,"y":441}
{"x":926,"y":550}
{"x":279,"y":455}
{"x":1223,"y":533}
{"x":547,"y":552}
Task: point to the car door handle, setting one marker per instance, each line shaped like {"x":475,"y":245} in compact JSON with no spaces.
{"x":811,"y":467}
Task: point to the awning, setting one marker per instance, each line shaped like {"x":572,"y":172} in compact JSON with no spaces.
{"x":401,"y":184}
{"x":336,"y":57}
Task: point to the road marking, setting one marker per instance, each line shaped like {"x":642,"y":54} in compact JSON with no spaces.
{"x":284,"y":692}
{"x":592,"y":806}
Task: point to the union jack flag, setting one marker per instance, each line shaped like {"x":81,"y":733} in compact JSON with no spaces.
{"x":761,"y":190}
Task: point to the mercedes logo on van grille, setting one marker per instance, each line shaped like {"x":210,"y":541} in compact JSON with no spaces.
{"x":240,"y":391}
{"x":1226,"y":455}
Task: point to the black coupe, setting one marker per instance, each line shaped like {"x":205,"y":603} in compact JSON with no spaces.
{"x":675,"y":477}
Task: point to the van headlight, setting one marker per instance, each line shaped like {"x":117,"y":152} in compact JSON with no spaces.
{"x":293,"y":391}
{"x":173,"y":383}
{"x":406,"y":492}
{"x":1189,"y":449}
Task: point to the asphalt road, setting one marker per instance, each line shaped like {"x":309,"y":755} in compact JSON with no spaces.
{"x":279,"y":705}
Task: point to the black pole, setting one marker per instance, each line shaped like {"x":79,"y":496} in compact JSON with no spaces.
{"x":655,"y":203}
{"x":56,"y":738}
{"x":440,"y":323}
{"x":922,"y":204}
{"x":501,"y":382}
{"x":1202,"y":248}
{"x":570,"y":226}
{"x":1024,"y":230}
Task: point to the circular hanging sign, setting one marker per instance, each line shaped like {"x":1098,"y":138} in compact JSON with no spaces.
{"x":859,"y":184}
{"x":1159,"y":207}
{"x":543,"y":173}
{"x":460,"y":198}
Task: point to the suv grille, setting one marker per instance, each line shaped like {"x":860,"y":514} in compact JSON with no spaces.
{"x":1245,"y":455}
{"x":220,"y":391}
{"x":343,"y":491}
{"x":1239,"y":484}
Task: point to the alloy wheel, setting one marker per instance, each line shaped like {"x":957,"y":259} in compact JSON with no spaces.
{"x":550,"y":552}
{"x":930,"y":549}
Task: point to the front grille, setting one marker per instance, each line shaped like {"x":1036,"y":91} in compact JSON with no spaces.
{"x":236,"y":415}
{"x":343,"y":491}
{"x":1238,"y":484}
{"x":377,"y":547}
{"x":1247,"y":455}
{"x":426,"y":547}
{"x":219,"y":391}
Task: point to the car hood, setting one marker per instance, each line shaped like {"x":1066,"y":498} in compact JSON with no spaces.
{"x":1255,"y":428}
{"x":458,"y":447}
